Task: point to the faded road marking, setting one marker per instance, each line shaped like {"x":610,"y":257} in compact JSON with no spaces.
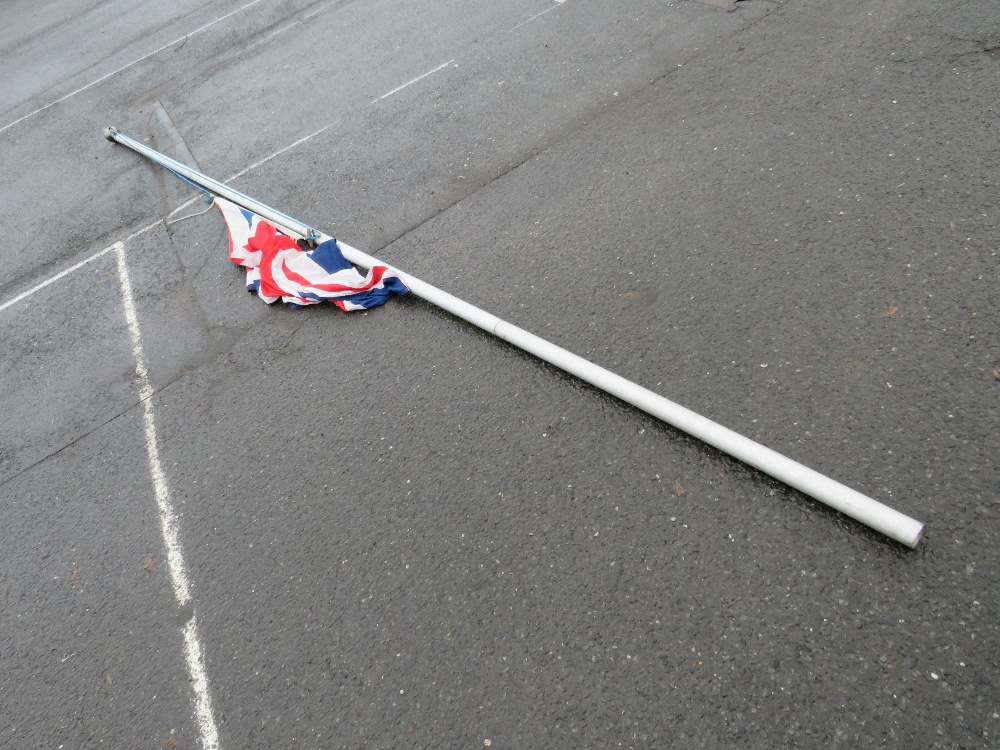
{"x":54,"y":279}
{"x":106,"y":76}
{"x":537,"y":15}
{"x":279,"y":152}
{"x":413,"y":81}
{"x":193,"y":652}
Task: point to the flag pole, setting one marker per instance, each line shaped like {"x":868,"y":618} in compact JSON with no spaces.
{"x":868,"y":511}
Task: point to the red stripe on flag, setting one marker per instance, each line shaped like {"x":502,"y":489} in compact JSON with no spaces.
{"x":376,"y":277}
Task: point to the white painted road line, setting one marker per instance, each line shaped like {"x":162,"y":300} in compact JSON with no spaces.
{"x":193,"y":652}
{"x":168,"y":518}
{"x":537,"y":15}
{"x":76,"y":266}
{"x":413,"y":81}
{"x":106,"y":76}
{"x":203,"y":712}
{"x":54,"y":279}
{"x":277,"y":153}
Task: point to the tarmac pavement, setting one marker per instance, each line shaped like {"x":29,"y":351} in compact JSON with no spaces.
{"x":394,"y":531}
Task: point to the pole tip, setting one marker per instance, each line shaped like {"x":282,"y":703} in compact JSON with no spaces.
{"x":110,"y":133}
{"x":915,"y":540}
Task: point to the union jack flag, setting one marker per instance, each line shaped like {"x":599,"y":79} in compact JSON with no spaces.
{"x":277,"y":268}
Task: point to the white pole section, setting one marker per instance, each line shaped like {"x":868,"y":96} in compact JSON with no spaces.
{"x":860,"y":507}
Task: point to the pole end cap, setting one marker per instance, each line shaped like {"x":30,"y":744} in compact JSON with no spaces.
{"x":110,"y":133}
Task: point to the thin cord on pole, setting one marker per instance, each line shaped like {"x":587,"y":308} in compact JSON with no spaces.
{"x":189,"y":216}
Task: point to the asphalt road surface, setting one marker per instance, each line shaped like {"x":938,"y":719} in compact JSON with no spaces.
{"x":228,"y":525}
